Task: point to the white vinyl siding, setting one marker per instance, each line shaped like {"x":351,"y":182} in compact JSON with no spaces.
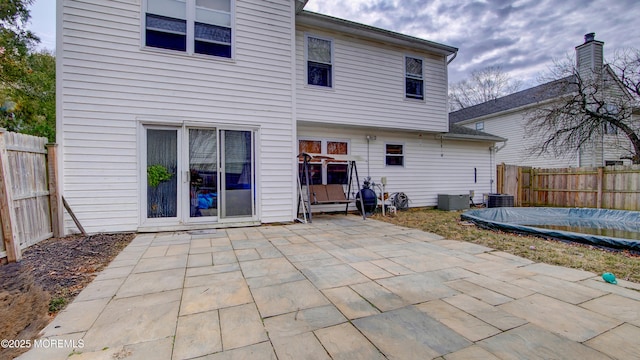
{"x":432,"y":166}
{"x":369,"y":87}
{"x":109,"y":85}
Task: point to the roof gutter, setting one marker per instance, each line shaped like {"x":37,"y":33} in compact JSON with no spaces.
{"x":453,"y":57}
{"x":309,"y":18}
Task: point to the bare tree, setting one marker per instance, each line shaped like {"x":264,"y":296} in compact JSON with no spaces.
{"x":603,"y":101}
{"x":486,"y":84}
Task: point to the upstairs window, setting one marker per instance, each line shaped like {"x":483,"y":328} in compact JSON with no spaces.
{"x":166,"y":24}
{"x":169,"y":23}
{"x":480,"y":126}
{"x":394,"y":155}
{"x":319,"y":61}
{"x":414,"y":82}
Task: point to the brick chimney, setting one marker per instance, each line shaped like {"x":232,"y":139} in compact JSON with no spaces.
{"x":589,"y":56}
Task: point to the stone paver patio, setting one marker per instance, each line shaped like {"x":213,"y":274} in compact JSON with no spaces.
{"x":340,"y":288}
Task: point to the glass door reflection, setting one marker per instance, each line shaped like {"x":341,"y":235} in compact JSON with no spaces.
{"x":203,"y":173}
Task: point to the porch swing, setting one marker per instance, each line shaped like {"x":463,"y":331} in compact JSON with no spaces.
{"x":320,"y":194}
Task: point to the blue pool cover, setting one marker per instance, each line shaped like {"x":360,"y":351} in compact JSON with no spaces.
{"x":619,"y":227}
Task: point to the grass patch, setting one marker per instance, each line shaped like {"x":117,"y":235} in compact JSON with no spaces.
{"x":57,"y":304}
{"x":623,"y":264}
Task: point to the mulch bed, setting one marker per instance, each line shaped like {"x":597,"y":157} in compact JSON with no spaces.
{"x":49,"y":276}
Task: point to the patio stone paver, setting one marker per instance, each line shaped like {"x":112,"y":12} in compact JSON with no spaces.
{"x":461,"y":322}
{"x":532,"y":342}
{"x":619,"y":343}
{"x":559,"y":272}
{"x":478,"y":292}
{"x":564,"y":290}
{"x":79,"y":316}
{"x":576,"y":323}
{"x":485,"y":312}
{"x":473,"y":352}
{"x":302,"y":346}
{"x":264,"y":267}
{"x":161,"y":263}
{"x":350,"y":303}
{"x":339,"y":288}
{"x":287,"y":297}
{"x":344,"y":342}
{"x":615,"y":306}
{"x":100,"y":289}
{"x":302,"y":321}
{"x":501,"y":287}
{"x":134,"y":319}
{"x":417,"y":288}
{"x":371,"y":270}
{"x":150,"y":282}
{"x":324,"y":277}
{"x":241,"y":326}
{"x":408,"y":333}
{"x":197,"y":335}
{"x":380,"y":297}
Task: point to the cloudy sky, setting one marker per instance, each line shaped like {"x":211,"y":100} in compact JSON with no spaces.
{"x":522,"y":36}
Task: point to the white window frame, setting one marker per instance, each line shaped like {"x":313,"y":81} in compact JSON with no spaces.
{"x":324,"y":152}
{"x":480,"y":126}
{"x":403,"y":155}
{"x":306,"y":61}
{"x":190,"y":35}
{"x":406,"y":75}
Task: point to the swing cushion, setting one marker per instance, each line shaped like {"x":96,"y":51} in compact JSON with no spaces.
{"x":327,"y":194}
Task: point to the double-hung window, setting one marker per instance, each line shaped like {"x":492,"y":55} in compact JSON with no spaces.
{"x":414,"y":81}
{"x":394,"y":155}
{"x":319,"y":61}
{"x":192,"y":26}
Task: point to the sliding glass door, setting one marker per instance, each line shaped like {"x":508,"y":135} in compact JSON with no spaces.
{"x":238,"y":174}
{"x":210,"y":178}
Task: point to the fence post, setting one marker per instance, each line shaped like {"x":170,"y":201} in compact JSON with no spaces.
{"x":599,"y":180}
{"x":7,"y":212}
{"x":55,"y":199}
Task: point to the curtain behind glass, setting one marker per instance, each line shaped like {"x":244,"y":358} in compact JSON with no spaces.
{"x":162,"y":150}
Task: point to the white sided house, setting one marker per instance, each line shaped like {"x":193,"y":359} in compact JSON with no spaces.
{"x":507,"y":117}
{"x":177,"y":115}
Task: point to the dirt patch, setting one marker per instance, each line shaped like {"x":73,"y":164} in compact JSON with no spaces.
{"x":49,"y":276}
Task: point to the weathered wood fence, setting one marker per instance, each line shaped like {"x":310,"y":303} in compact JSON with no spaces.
{"x":27,"y":206}
{"x":610,"y":187}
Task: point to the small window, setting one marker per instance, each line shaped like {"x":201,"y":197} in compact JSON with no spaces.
{"x":319,"y":61}
{"x":480,"y":126}
{"x":413,"y":78}
{"x":613,"y":162}
{"x":394,"y":155}
{"x":310,"y":146}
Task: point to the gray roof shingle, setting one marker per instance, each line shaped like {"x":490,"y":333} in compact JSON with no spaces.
{"x":521,"y":98}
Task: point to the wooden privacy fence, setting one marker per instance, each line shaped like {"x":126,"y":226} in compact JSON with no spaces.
{"x":27,"y":206}
{"x":610,"y":187}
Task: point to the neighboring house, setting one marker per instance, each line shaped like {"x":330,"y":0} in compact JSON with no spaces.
{"x":506,"y":117}
{"x":176,"y":115}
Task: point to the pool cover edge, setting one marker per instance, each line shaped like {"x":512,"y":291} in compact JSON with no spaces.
{"x":511,"y":219}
